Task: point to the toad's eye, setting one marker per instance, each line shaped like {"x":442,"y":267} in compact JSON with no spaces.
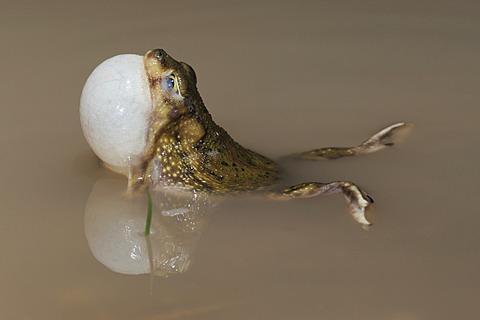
{"x":171,"y":82}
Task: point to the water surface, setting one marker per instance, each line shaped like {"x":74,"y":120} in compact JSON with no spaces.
{"x":280,"y":77}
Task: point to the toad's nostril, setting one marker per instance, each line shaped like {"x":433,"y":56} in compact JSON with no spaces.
{"x":160,"y":54}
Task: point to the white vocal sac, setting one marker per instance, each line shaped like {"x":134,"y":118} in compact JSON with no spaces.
{"x":115,"y":109}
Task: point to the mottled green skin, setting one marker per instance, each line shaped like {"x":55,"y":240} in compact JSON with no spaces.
{"x":186,"y":147}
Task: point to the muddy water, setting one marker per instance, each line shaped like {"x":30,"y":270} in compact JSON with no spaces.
{"x":281,"y":77}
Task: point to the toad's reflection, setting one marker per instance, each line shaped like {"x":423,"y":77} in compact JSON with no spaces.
{"x":115,"y":225}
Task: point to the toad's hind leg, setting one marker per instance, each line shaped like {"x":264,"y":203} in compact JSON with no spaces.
{"x":357,"y":199}
{"x":384,"y":138}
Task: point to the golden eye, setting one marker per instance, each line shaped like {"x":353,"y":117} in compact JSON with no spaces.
{"x":172,"y":83}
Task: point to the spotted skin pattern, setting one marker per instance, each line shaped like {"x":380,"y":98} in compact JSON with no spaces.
{"x":187,"y":149}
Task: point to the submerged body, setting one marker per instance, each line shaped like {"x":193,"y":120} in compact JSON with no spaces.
{"x":185,"y":148}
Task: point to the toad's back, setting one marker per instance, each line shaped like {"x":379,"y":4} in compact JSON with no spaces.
{"x":186,"y":147}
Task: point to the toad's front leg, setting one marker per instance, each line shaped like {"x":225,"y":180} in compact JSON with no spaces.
{"x":357,"y":199}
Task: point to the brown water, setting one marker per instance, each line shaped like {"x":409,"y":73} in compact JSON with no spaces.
{"x":281,"y":77}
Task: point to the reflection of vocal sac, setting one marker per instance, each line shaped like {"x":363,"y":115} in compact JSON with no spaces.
{"x":115,"y":226}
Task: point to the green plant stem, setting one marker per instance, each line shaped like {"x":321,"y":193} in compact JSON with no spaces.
{"x":149,"y":213}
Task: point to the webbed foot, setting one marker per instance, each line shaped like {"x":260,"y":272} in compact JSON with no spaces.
{"x":386,"y":137}
{"x":357,"y":199}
